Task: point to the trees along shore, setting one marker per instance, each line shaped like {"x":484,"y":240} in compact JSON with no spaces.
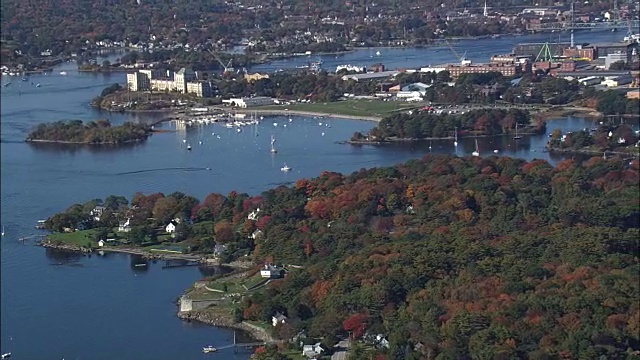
{"x":427,"y":253}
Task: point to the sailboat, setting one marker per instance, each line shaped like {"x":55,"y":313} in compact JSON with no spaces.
{"x":517,"y":137}
{"x":273,"y":148}
{"x":2,"y":230}
{"x":455,"y":134}
{"x":477,"y":152}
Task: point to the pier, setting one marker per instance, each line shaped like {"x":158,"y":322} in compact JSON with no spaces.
{"x":237,"y":345}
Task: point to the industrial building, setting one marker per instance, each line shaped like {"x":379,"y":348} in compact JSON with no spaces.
{"x":247,"y":102}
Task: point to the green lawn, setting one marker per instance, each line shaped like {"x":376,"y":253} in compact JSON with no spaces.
{"x":252,"y":281}
{"x":350,"y":107}
{"x":79,"y":238}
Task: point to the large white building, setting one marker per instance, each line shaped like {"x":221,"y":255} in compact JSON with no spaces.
{"x":183,"y":81}
{"x":249,"y":102}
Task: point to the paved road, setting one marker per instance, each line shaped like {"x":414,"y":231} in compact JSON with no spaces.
{"x":341,"y":349}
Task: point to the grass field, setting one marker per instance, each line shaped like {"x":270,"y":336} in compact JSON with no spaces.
{"x":376,"y":108}
{"x":78,"y":238}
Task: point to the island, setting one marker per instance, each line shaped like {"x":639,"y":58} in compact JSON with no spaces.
{"x":429,"y":123}
{"x":438,"y":257}
{"x":613,"y":140}
{"x":99,"y":132}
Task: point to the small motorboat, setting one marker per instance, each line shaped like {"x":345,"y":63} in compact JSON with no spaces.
{"x":208,"y":349}
{"x":6,"y":355}
{"x":189,"y":147}
{"x":285,"y":168}
{"x":38,"y":85}
{"x":63,"y":73}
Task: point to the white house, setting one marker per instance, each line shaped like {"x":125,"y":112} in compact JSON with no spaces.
{"x":254,"y":214}
{"x":312,"y":351}
{"x":271,"y":271}
{"x":97,"y":212}
{"x":170,"y":228}
{"x":101,"y":243}
{"x":256,"y":234}
{"x":124,"y":226}
{"x":278,"y":318}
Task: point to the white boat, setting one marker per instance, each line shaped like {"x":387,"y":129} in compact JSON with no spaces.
{"x":6,"y":355}
{"x":377,"y":53}
{"x":189,"y":147}
{"x":208,"y":349}
{"x":273,"y":148}
{"x":38,"y":85}
{"x":455,"y":135}
{"x":477,"y":152}
{"x":285,"y":168}
{"x":228,"y":125}
{"x":517,"y":137}
{"x":63,"y":73}
{"x":238,"y":130}
{"x":2,"y":230}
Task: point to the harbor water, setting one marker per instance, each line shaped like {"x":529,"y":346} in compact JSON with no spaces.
{"x":56,"y":304}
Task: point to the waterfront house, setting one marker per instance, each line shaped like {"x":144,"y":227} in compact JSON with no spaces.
{"x":218,"y":249}
{"x":271,"y":271}
{"x":101,"y":243}
{"x":278,"y":318}
{"x":124,"y":226}
{"x":312,"y":351}
{"x":97,"y":212}
{"x":171,"y":227}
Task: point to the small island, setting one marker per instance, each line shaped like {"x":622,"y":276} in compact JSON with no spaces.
{"x":99,"y":132}
{"x":426,"y":123}
{"x":613,"y":140}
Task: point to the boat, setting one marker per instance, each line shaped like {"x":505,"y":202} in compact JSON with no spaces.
{"x":378,"y":53}
{"x":6,"y":355}
{"x":285,"y":168}
{"x":63,"y":73}
{"x":7,"y":84}
{"x":38,"y":85}
{"x":189,"y":147}
{"x":208,"y":349}
{"x":140,"y":265}
{"x":455,"y":135}
{"x":477,"y":152}
{"x":2,"y":230}
{"x":517,"y":137}
{"x":273,"y":141}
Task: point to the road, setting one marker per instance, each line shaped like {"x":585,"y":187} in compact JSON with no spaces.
{"x":341,"y":349}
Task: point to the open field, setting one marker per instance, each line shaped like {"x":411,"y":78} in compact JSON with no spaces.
{"x":78,"y":238}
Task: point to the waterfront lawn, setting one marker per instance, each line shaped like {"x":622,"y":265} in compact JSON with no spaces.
{"x":77,"y":238}
{"x":350,"y":107}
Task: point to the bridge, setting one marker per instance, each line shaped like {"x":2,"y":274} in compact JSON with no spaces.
{"x":566,"y":25}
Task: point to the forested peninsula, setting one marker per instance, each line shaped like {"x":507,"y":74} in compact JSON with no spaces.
{"x":445,"y":257}
{"x":99,"y":132}
{"x":425,"y":124}
{"x":619,"y":139}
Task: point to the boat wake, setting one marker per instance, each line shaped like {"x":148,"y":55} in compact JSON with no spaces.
{"x":164,"y":169}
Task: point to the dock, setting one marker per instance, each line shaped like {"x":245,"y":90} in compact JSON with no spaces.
{"x":237,"y":345}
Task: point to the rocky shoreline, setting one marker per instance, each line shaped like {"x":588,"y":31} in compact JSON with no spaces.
{"x":146,"y":254}
{"x":224,"y":321}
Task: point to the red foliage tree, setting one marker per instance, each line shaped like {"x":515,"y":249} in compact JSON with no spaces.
{"x":356,"y":323}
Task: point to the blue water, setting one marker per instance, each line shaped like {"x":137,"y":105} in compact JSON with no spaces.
{"x":58,"y":305}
